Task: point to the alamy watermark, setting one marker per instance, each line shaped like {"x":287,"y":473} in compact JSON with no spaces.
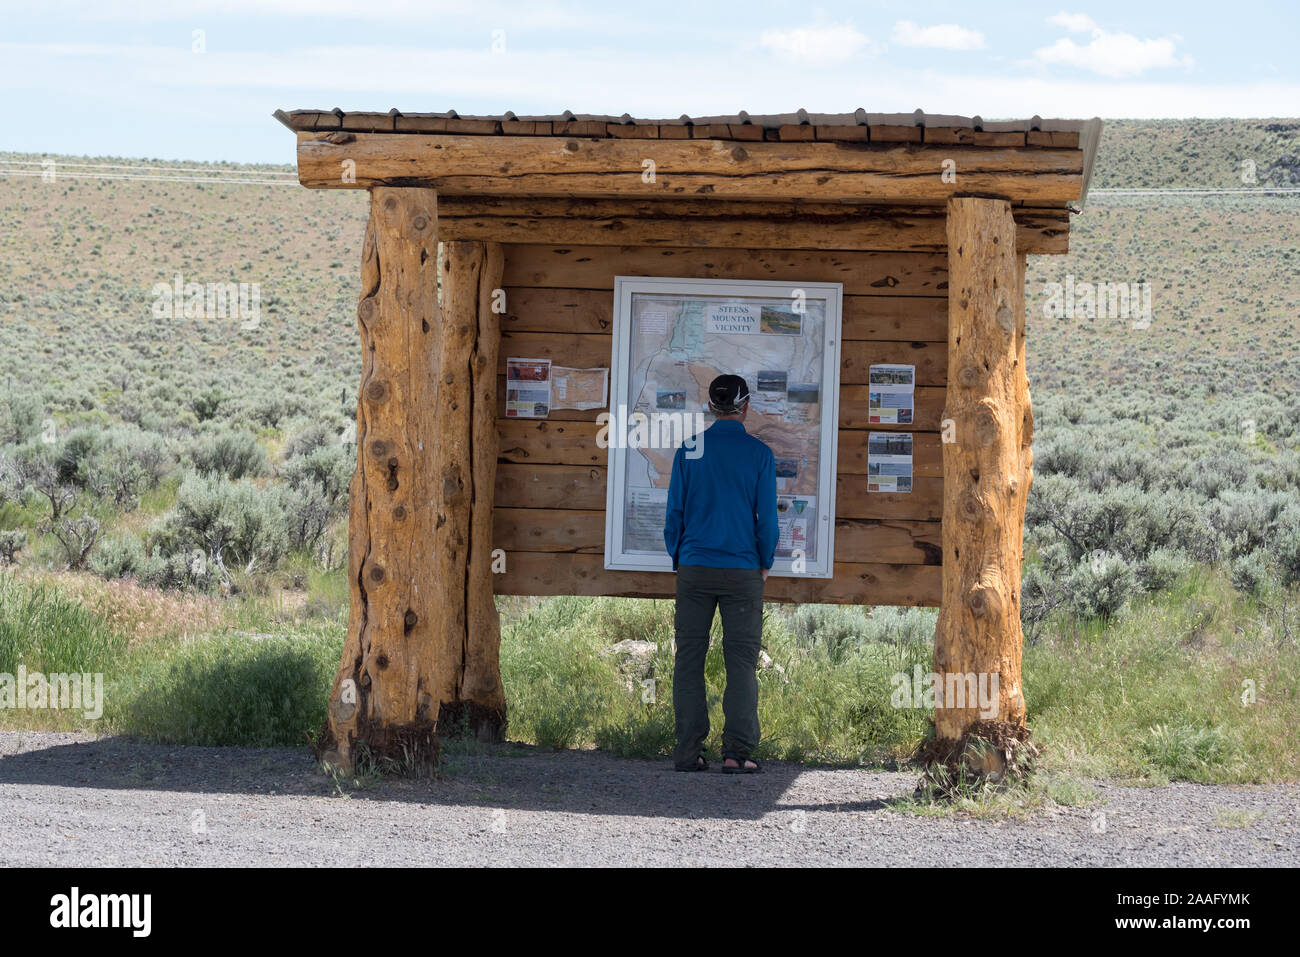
{"x":1102,"y":300}
{"x":128,"y":911}
{"x":57,"y":691}
{"x":951,"y":690}
{"x":654,"y":430}
{"x":209,"y":300}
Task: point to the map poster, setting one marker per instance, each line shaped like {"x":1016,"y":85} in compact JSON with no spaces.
{"x":672,"y":338}
{"x":891,"y":394}
{"x":579,"y":388}
{"x":889,"y":462}
{"x":528,"y":388}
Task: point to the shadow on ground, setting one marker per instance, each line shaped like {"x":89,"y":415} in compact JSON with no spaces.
{"x":512,"y":776}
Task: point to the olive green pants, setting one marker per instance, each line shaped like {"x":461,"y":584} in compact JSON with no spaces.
{"x":738,"y":594}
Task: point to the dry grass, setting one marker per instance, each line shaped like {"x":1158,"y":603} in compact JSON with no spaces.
{"x":142,"y":614}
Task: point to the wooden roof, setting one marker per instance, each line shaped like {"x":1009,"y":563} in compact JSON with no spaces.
{"x":914,"y":127}
{"x":917,"y":129}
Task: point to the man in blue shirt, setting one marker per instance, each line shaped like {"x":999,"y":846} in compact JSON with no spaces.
{"x":721,"y":533}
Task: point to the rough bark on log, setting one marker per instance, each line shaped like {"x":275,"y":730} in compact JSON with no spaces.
{"x":987,"y":467}
{"x":393,"y":673}
{"x":577,"y":167}
{"x":471,"y":276}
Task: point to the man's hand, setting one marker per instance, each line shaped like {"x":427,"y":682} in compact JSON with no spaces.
{"x":766,"y":572}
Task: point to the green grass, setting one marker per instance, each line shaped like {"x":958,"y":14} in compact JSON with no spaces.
{"x":47,"y":631}
{"x":1157,"y":695}
{"x":987,"y":802}
{"x":229,"y":690}
{"x":1154,"y":695}
{"x":819,"y":702}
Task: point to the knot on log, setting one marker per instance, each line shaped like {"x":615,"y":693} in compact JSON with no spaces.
{"x":739,"y":154}
{"x":984,"y":601}
{"x":377,"y":391}
{"x":367,"y":310}
{"x":409,"y":621}
{"x":451,"y":487}
{"x":420,"y":222}
{"x":377,"y":574}
{"x":1006,"y":319}
{"x":971,"y":508}
{"x":986,"y":427}
{"x":968,"y":377}
{"x":379,"y":448}
{"x":399,"y":513}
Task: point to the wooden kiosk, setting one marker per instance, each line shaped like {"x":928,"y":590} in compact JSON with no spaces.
{"x":924,"y":220}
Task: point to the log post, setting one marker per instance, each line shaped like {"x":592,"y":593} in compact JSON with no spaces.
{"x":471,"y":279}
{"x":409,"y":530}
{"x":988,"y":468}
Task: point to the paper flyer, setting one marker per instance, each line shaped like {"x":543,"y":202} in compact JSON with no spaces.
{"x":892,"y":388}
{"x":579,"y":388}
{"x":889,"y":462}
{"x":528,"y":388}
{"x":770,"y":394}
{"x":646,"y":510}
{"x":794,"y":517}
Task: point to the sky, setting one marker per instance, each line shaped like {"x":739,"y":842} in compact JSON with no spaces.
{"x":199,"y":79}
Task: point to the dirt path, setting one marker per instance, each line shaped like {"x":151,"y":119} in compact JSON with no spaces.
{"x":73,"y":799}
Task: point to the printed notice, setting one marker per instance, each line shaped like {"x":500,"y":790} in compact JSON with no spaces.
{"x":579,"y":388}
{"x":528,"y":388}
{"x":891,"y":391}
{"x":889,"y":461}
{"x":730,"y":318}
{"x":644,"y":520}
{"x":795,"y":521}
{"x":771,"y":392}
{"x":653,"y":323}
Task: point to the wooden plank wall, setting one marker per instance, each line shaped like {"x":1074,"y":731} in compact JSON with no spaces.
{"x":550,"y":494}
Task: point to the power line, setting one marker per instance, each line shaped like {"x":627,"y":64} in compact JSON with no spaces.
{"x":57,"y":164}
{"x":156,"y":179}
{"x":1193,"y":191}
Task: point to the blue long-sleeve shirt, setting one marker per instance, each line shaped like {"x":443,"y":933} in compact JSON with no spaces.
{"x":722,"y":505}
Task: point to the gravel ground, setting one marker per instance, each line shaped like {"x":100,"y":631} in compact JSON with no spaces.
{"x":77,"y":800}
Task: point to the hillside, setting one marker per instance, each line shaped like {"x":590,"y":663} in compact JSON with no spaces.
{"x":79,"y":258}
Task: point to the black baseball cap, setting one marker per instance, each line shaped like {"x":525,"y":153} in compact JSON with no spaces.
{"x":728,"y":394}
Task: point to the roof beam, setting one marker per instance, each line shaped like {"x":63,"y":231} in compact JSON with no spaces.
{"x":644,"y":169}
{"x":726,"y":224}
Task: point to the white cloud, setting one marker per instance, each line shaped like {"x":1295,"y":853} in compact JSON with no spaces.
{"x":1074,"y":22}
{"x":943,"y":36}
{"x":1115,"y":55}
{"x":818,"y":45}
